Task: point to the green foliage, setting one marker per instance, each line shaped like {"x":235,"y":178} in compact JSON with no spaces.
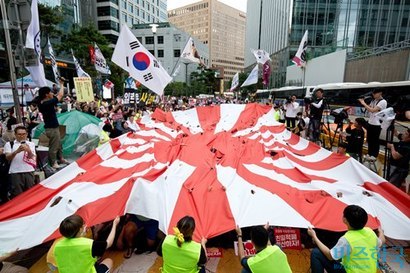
{"x":175,"y":89}
{"x":49,"y":19}
{"x":204,"y":82}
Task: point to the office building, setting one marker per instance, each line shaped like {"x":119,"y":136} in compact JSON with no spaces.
{"x":218,"y":25}
{"x":166,"y":44}
{"x":111,"y":14}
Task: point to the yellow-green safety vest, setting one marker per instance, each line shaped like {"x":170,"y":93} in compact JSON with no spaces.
{"x":270,"y":260}
{"x":363,"y":254}
{"x":75,"y":255}
{"x":182,"y":259}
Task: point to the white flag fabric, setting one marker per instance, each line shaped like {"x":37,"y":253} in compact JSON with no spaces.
{"x":53,"y":62}
{"x":132,"y":56}
{"x":33,"y":41}
{"x":176,"y":72}
{"x":190,"y":53}
{"x":80,"y":72}
{"x":100,"y":62}
{"x":252,"y":78}
{"x":235,"y":81}
{"x":261,"y":55}
{"x":300,"y":57}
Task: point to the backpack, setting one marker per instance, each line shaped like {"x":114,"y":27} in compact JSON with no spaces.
{"x":4,"y":163}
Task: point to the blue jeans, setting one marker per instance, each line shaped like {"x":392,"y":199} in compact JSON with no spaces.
{"x":319,"y":262}
{"x":314,"y":129}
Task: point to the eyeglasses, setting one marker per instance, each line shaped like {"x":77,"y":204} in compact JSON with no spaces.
{"x":21,"y":134}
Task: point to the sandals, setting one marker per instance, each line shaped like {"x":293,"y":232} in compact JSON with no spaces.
{"x":128,"y":254}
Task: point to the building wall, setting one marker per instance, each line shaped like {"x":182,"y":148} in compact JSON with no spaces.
{"x":267,"y":29}
{"x":169,"y":48}
{"x":388,"y":67}
{"x":218,"y":25}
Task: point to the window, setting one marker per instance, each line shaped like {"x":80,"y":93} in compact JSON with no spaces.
{"x":177,"y":53}
{"x":130,"y":8}
{"x":160,"y":53}
{"x":139,"y":39}
{"x":160,"y":39}
{"x":152,"y":52}
{"x":124,"y":17}
{"x":124,"y":4}
{"x":149,"y":40}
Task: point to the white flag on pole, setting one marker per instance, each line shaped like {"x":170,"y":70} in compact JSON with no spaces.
{"x":235,"y":81}
{"x":132,"y":56}
{"x":190,"y":52}
{"x":80,"y":72}
{"x":300,"y":57}
{"x":33,"y":41}
{"x":176,"y":72}
{"x":261,"y":55}
{"x":53,"y":62}
{"x":100,"y":62}
{"x":252,"y":78}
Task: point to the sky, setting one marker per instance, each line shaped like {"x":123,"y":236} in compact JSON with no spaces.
{"x":238,"y":4}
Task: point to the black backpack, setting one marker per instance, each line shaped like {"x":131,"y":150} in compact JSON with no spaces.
{"x":4,"y":163}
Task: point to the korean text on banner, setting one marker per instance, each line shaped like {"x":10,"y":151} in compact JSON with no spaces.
{"x":84,"y":89}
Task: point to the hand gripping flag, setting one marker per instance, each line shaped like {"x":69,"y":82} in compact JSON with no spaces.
{"x":33,"y":40}
{"x":190,"y":52}
{"x":99,"y":61}
{"x":300,"y":57}
{"x":53,"y":62}
{"x":261,"y":55}
{"x":252,"y":78}
{"x":235,"y":82}
{"x":133,"y":57}
{"x":80,"y":72}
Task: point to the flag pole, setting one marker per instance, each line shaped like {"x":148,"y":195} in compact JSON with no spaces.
{"x":11,"y":62}
{"x":179,"y":58}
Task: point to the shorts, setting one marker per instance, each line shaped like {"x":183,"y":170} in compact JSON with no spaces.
{"x":101,"y":268}
{"x":150,"y":226}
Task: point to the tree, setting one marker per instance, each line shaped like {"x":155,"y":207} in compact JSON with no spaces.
{"x":175,"y":89}
{"x":79,"y":40}
{"x":204,"y":82}
{"x":50,"y":18}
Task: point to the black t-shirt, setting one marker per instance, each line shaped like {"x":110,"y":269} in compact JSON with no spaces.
{"x":316,"y":113}
{"x":98,"y":248}
{"x":403,"y":148}
{"x":47,"y":108}
{"x":355,"y":140}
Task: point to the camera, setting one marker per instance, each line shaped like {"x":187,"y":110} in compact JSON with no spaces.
{"x":339,"y":116}
{"x":307,"y":100}
{"x":289,"y":99}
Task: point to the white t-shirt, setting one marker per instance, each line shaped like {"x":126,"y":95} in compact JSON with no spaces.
{"x":382,"y":104}
{"x":342,"y":248}
{"x":18,"y":165}
{"x":291,"y":109}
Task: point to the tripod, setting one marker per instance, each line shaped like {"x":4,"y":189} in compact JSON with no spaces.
{"x":387,"y":152}
{"x":339,"y":129}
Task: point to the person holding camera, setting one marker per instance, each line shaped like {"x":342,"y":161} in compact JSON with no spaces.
{"x":21,"y":154}
{"x":316,"y":112}
{"x":374,"y":124}
{"x":291,"y":109}
{"x":400,"y":158}
{"x":47,"y":107}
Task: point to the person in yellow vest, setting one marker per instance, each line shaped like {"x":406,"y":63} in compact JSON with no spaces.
{"x":180,"y":253}
{"x":75,"y":253}
{"x":357,"y":247}
{"x":268,"y":258}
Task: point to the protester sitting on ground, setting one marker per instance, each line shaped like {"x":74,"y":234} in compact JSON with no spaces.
{"x":179,"y":252}
{"x":268,"y":258}
{"x":21,"y":154}
{"x":6,"y":267}
{"x":341,"y":148}
{"x":400,"y":158}
{"x":355,"y":138}
{"x":357,"y":248}
{"x":75,"y":253}
{"x":47,"y":106}
{"x":134,"y":224}
{"x":131,"y":123}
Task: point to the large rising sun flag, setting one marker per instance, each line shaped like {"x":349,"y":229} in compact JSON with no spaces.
{"x":250,"y":170}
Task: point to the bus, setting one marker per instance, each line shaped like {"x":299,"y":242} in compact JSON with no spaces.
{"x":397,"y":94}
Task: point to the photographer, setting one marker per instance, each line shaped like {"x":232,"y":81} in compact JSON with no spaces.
{"x":22,"y":157}
{"x":374,"y":126}
{"x":291,"y":108}
{"x":400,"y":157}
{"x":316,"y":112}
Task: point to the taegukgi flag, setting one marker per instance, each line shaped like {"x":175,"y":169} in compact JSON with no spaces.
{"x":261,"y":55}
{"x":33,"y":40}
{"x":235,"y":81}
{"x":252,"y":78}
{"x":300,"y":57}
{"x":132,"y":56}
{"x":190,"y":52}
{"x":99,"y":61}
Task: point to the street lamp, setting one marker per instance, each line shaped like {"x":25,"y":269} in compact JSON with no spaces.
{"x":154,"y":31}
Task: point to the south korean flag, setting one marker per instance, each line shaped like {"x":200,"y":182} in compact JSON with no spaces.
{"x":132,"y":56}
